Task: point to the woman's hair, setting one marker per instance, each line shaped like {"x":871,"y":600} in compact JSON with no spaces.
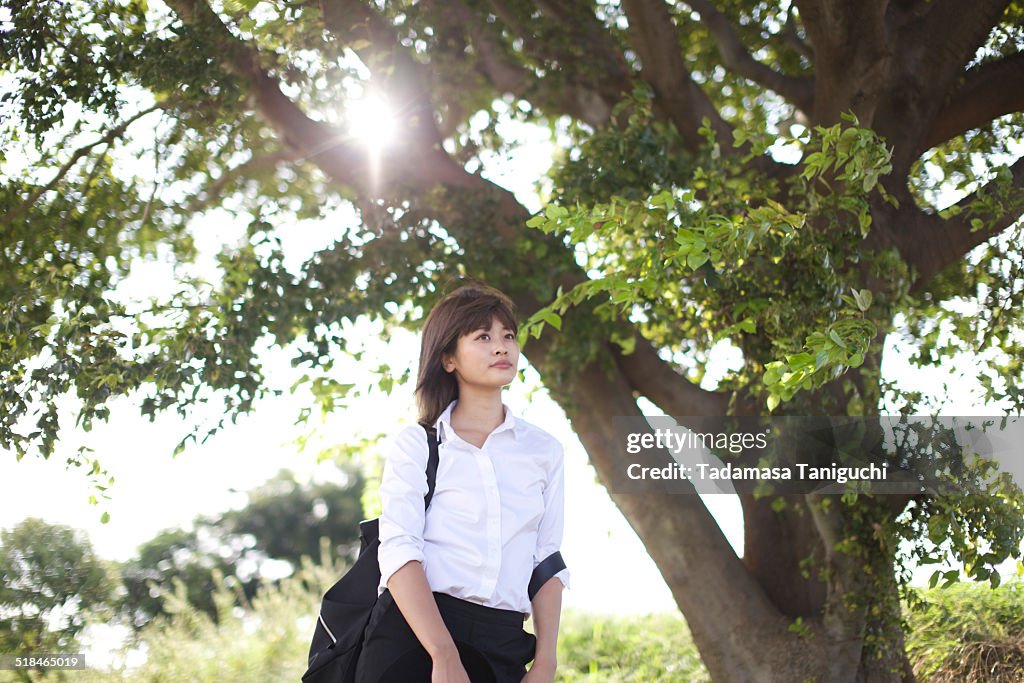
{"x":468,"y":308}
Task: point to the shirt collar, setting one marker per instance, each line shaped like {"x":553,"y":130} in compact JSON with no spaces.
{"x":444,"y":423}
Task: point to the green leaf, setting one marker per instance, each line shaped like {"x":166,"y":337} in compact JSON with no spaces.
{"x":800,"y":361}
{"x":696,"y":259}
{"x":663,"y":198}
{"x":554,"y":212}
{"x":863,"y":297}
{"x":552,"y":318}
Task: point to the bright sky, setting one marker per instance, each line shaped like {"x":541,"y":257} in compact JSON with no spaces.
{"x":154,"y":491}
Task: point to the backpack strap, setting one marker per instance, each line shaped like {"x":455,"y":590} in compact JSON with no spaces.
{"x":432,"y":460}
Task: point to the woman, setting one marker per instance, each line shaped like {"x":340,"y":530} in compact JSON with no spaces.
{"x":454,"y":578}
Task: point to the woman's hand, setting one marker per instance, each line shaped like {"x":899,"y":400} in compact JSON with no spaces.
{"x":540,"y":673}
{"x":447,"y":667}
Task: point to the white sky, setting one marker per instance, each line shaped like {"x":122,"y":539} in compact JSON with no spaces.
{"x":154,"y":491}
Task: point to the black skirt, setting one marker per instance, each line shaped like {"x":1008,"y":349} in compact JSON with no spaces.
{"x":492,"y":644}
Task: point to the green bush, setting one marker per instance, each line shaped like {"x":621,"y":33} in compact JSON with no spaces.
{"x":968,"y":633}
{"x":266,"y":641}
{"x":652,"y":649}
{"x":260,"y":641}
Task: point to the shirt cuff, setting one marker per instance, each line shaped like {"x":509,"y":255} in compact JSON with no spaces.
{"x":394,"y":554}
{"x":563,"y":576}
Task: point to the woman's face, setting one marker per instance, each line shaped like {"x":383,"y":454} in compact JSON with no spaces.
{"x":485,"y":357}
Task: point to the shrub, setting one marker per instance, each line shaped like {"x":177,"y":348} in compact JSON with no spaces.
{"x":652,"y":649}
{"x":968,"y":633}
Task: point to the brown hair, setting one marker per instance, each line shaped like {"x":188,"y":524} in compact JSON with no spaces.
{"x":468,"y":308}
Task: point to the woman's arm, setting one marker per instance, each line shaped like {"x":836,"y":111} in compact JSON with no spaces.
{"x":414,"y":598}
{"x":547,"y":611}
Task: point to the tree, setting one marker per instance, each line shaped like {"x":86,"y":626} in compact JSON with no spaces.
{"x":675,"y":219}
{"x":50,"y":579}
{"x":283,"y":521}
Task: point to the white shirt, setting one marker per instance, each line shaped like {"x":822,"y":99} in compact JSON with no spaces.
{"x":497,"y":511}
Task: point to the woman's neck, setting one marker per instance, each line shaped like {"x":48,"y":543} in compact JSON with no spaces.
{"x":478,"y":410}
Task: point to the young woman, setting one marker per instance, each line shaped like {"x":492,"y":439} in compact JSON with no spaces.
{"x":454,"y":577}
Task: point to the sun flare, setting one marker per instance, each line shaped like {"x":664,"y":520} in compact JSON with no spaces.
{"x":372,"y":122}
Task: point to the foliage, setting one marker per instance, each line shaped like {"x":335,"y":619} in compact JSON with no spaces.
{"x":951,"y":632}
{"x":769,"y":175}
{"x":49,"y":578}
{"x":698,"y":260}
{"x":968,"y":633}
{"x":655,"y":648}
{"x":282,"y":521}
{"x":265,"y":638}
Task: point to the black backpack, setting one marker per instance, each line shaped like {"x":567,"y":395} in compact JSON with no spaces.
{"x":345,"y":608}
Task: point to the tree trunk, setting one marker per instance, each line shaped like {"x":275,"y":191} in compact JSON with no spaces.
{"x":759,"y":618}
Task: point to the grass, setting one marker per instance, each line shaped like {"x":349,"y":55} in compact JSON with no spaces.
{"x":968,"y":633}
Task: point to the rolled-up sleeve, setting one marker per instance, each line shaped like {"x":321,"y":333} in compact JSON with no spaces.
{"x":403,"y":486}
{"x":549,"y":533}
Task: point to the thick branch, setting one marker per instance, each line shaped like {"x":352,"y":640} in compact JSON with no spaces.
{"x":501,"y":70}
{"x":316,"y":141}
{"x":989,"y":91}
{"x":958,"y":34}
{"x":851,"y":56}
{"x":587,"y":72}
{"x":954,"y":35}
{"x":111,"y":135}
{"x":501,"y":67}
{"x":422,"y":165}
{"x":407,"y":82}
{"x":653,"y":35}
{"x":724,"y":607}
{"x":932,"y":244}
{"x":735,"y":56}
{"x":655,"y":379}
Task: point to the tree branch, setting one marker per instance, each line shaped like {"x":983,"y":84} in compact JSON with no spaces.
{"x":735,"y":56}
{"x":406,"y":81}
{"x":111,"y":135}
{"x":955,"y":35}
{"x":654,"y":378}
{"x":933,"y":244}
{"x":502,"y":71}
{"x":498,"y":65}
{"x":653,"y":35}
{"x":256,"y":164}
{"x":989,"y":91}
{"x":708,"y":581}
{"x":421,"y":164}
{"x":792,"y":38}
{"x":851,"y":56}
{"x":585,"y":63}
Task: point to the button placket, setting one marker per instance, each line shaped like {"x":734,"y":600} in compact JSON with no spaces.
{"x":492,"y":567}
